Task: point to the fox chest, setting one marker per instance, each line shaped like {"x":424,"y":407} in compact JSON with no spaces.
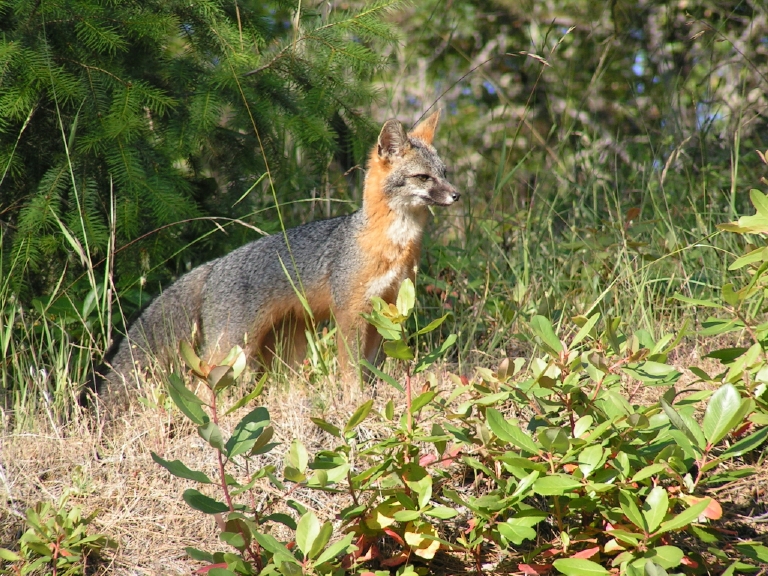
{"x":387,"y":284}
{"x":390,"y":248}
{"x":382,"y":276}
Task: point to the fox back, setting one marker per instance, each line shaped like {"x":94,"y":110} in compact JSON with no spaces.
{"x":257,"y":295}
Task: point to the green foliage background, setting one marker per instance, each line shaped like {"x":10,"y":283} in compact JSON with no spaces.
{"x":144,"y":115}
{"x":597,"y":146}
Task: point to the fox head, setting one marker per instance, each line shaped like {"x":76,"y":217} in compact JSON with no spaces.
{"x":413,"y":174}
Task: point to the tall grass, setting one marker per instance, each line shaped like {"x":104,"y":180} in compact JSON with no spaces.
{"x":495,"y":264}
{"x":579,"y":233}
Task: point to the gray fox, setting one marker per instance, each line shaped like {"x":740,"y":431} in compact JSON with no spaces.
{"x":250,"y":297}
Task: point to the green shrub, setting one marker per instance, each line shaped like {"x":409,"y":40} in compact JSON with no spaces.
{"x":56,"y":543}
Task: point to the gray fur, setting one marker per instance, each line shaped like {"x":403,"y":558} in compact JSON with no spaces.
{"x":206,"y":299}
{"x":251,"y":292}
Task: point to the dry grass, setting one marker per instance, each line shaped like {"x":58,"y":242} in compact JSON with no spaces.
{"x":106,"y":465}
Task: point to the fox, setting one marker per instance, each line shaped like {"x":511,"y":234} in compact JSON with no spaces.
{"x":251,"y":296}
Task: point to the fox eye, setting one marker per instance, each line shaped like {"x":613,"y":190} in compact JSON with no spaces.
{"x":423,"y":177}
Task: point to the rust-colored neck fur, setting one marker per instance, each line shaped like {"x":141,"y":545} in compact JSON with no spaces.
{"x":391,"y":237}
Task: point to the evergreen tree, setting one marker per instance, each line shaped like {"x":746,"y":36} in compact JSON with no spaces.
{"x":163,"y":111}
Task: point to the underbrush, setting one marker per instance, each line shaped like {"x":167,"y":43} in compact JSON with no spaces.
{"x":548,"y":463}
{"x":588,"y":451}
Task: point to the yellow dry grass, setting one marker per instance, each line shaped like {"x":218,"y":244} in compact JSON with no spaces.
{"x":102,"y":459}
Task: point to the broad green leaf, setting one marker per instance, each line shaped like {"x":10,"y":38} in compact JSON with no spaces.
{"x":190,"y":357}
{"x":555,"y":485}
{"x":542,"y":327}
{"x":755,"y":224}
{"x":631,"y":538}
{"x":406,"y":515}
{"x":728,"y":294}
{"x":422,"y":400}
{"x":307,"y":530}
{"x":359,"y":415}
{"x":585,"y":329}
{"x":9,"y":555}
{"x":583,"y":424}
{"x":247,"y":432}
{"x":529,"y":517}
{"x":759,"y":201}
{"x":683,"y":448}
{"x":684,"y":518}
{"x":631,"y":510}
{"x":384,"y":326}
{"x":237,"y":360}
{"x":381,"y":375}
{"x":525,"y":483}
{"x":696,"y":301}
{"x":199,"y":555}
{"x":180,"y":470}
{"x":590,"y":458}
{"x":398,"y":350}
{"x":721,"y":409}
{"x":270,"y":543}
{"x":652,"y":373}
{"x":289,"y":568}
{"x":441,"y":512}
{"x":717,"y":326}
{"x":516,"y":533}
{"x":221,"y":572}
{"x":666,"y":556}
{"x":297,"y":456}
{"x":747,"y":444}
{"x":692,"y":424}
{"x":614,"y":404}
{"x":262,"y":444}
{"x":203,"y":503}
{"x":342,"y":546}
{"x":649,"y":568}
{"x":418,"y":480}
{"x":406,"y":297}
{"x":508,"y":433}
{"x":234,"y":539}
{"x":221,"y":377}
{"x":432,"y":325}
{"x":327,"y":426}
{"x":211,"y":433}
{"x":677,"y":421}
{"x":639,"y":421}
{"x":389,"y":410}
{"x":579,"y":567}
{"x":757,"y":255}
{"x":754,"y":551}
{"x":648,"y":471}
{"x":554,"y":439}
{"x":655,"y":507}
{"x":185,"y":400}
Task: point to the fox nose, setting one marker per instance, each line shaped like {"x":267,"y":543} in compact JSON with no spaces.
{"x":455,"y":195}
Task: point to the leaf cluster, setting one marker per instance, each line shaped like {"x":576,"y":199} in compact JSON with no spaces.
{"x":552,"y":462}
{"x":57,"y":542}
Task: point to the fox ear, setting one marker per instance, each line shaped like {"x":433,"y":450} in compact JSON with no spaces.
{"x":393,"y":141}
{"x":425,"y":131}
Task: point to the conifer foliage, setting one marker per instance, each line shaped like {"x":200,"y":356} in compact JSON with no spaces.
{"x":161,"y":111}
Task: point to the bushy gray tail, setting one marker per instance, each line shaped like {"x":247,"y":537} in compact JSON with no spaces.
{"x":155,"y":336}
